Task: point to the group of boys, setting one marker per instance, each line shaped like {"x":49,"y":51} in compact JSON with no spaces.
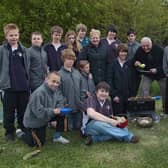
{"x":48,"y":74}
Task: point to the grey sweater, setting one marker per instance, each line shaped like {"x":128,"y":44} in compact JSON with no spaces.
{"x":165,"y":60}
{"x":72,"y":88}
{"x":38,"y":66}
{"x":40,"y":108}
{"x":88,"y":83}
{"x":5,"y":82}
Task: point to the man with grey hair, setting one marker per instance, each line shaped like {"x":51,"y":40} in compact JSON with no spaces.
{"x":149,"y":61}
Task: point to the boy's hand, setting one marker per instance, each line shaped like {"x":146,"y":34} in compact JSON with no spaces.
{"x":153,"y":70}
{"x":88,"y":93}
{"x":57,"y":111}
{"x":114,"y":122}
{"x":116,"y":99}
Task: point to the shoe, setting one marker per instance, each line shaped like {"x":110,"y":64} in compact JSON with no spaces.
{"x":61,"y":140}
{"x":164,"y":115}
{"x":156,"y":119}
{"x":9,"y":137}
{"x":134,"y":139}
{"x":88,"y":140}
{"x":20,"y":134}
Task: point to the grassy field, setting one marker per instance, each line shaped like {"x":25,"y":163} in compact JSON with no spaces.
{"x":151,"y":152}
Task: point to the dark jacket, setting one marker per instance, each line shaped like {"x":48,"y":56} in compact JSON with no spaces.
{"x":97,"y":56}
{"x":111,"y":49}
{"x":119,"y":79}
{"x":54,"y":57}
{"x":153,"y":59}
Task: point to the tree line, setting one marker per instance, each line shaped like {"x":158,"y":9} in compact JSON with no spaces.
{"x":147,"y":17}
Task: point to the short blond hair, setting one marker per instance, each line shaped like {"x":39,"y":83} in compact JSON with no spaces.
{"x":95,"y":31}
{"x":68,"y":54}
{"x":10,"y":26}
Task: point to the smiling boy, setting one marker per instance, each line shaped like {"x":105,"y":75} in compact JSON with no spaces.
{"x":101,"y":127}
{"x":44,"y":105}
{"x":14,"y":79}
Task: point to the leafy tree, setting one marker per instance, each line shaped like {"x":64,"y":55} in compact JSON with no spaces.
{"x":147,"y":17}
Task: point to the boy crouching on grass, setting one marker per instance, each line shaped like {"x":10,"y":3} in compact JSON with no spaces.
{"x":44,"y":105}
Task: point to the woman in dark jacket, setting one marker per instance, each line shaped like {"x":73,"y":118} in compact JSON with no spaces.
{"x":118,"y":77}
{"x":95,"y":52}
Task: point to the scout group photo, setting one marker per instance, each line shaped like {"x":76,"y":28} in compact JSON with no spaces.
{"x":83,"y":94}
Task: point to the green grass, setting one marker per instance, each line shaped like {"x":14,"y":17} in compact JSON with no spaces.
{"x":151,"y":152}
{"x":155,"y":90}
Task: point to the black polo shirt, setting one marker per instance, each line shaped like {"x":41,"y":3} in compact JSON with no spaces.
{"x":17,"y":71}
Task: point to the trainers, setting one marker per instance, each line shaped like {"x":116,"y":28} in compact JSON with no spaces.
{"x":19,"y":133}
{"x":9,"y":137}
{"x":61,"y":140}
{"x":134,"y":139}
{"x":88,"y":140}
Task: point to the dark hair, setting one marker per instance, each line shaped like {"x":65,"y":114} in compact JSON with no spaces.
{"x":103,"y":85}
{"x":131,"y":31}
{"x":122,"y":47}
{"x":82,"y":64}
{"x":111,"y":28}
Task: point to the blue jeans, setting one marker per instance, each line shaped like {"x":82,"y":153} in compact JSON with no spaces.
{"x":74,"y":121}
{"x":101,"y":131}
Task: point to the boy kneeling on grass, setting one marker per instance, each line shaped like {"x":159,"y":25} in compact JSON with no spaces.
{"x":44,"y":105}
{"x":101,"y":125}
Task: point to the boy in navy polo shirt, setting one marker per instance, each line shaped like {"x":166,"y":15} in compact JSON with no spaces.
{"x":54,"y":49}
{"x":14,"y":68}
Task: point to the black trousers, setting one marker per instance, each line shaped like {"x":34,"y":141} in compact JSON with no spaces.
{"x":135,"y":82}
{"x":41,"y":132}
{"x":14,"y":102}
{"x":121,"y":107}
